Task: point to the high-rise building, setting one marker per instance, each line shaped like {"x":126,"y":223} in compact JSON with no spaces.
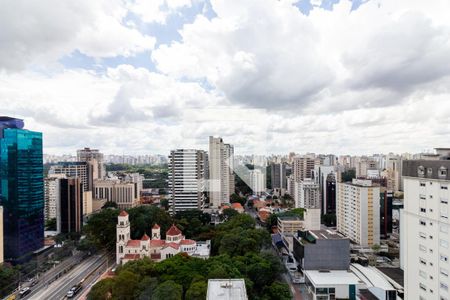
{"x":21,"y":189}
{"x":278,"y":176}
{"x":386,"y":198}
{"x":425,"y":229}
{"x":329,"y":199}
{"x":307,"y":194}
{"x":302,"y":167}
{"x":258,"y":182}
{"x":187,"y":171}
{"x":70,"y":217}
{"x":81,"y":170}
{"x":95,"y":166}
{"x":358,"y":212}
{"x":221,"y":176}
{"x":52,"y":196}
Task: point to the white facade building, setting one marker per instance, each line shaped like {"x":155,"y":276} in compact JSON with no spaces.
{"x":358,"y":211}
{"x":307,"y":194}
{"x":187,"y":179}
{"x":425,"y":229}
{"x":124,"y":194}
{"x":155,"y":248}
{"x":52,"y":196}
{"x":221,"y":176}
{"x":257,"y":181}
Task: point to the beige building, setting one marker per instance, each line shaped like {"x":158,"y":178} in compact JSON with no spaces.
{"x":124,"y":194}
{"x":358,"y":211}
{"x":302,"y":167}
{"x":290,"y":225}
{"x":221,"y":176}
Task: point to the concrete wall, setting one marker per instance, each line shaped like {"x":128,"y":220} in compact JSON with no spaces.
{"x":327,"y":255}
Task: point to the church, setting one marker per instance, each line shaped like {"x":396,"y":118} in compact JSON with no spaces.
{"x":154,"y":247}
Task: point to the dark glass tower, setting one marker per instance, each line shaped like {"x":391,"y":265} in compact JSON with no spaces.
{"x":21,"y":189}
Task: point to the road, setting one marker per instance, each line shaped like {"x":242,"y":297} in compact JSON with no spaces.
{"x":57,"y":290}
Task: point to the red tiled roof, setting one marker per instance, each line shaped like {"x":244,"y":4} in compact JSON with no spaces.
{"x":173,"y":230}
{"x":134,"y":243}
{"x":157,"y":243}
{"x":156,"y":226}
{"x":187,"y":242}
{"x":132,"y":256}
{"x":123,"y":213}
{"x":145,"y":237}
{"x":236,"y":205}
{"x":155,"y":255}
{"x":173,"y":245}
{"x":225,"y":207}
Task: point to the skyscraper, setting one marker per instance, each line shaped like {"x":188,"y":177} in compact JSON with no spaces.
{"x":21,"y":189}
{"x":425,"y":229}
{"x":258,"y":182}
{"x":302,"y":167}
{"x":278,"y":176}
{"x":70,"y":218}
{"x":221,"y":176}
{"x":187,"y":179}
{"x":1,"y":234}
{"x":95,"y":167}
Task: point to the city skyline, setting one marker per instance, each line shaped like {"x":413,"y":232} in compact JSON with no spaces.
{"x":152,"y":76}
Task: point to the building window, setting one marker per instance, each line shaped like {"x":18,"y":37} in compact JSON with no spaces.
{"x":423,"y":210}
{"x":422,"y":235}
{"x":423,"y":274}
{"x":421,"y":171}
{"x":422,"y":184}
{"x":422,"y":248}
{"x":444,"y":286}
{"x":444,"y":272}
{"x":444,"y":201}
{"x":423,"y":261}
{"x":444,"y":228}
{"x":422,"y":286}
{"x":444,"y":187}
{"x":442,"y":172}
{"x":444,"y":258}
{"x":423,"y":222}
{"x":429,"y":171}
{"x":443,"y":243}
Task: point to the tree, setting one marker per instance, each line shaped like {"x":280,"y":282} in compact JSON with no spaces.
{"x":277,"y":291}
{"x":376,"y":247}
{"x":197,"y":291}
{"x":142,"y":219}
{"x":164,"y":203}
{"x":101,"y":290}
{"x":101,"y":229}
{"x":126,"y":285}
{"x":229,"y":213}
{"x":168,"y":290}
{"x":235,"y":198}
{"x":50,"y":224}
{"x":8,"y":279}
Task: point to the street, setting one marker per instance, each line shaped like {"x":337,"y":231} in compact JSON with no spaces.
{"x":58,"y":289}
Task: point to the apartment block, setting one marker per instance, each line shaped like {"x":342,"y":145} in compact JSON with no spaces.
{"x":358,"y":212}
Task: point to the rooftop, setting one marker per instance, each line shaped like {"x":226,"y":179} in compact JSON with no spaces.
{"x":226,"y":289}
{"x":319,"y":278}
{"x":395,"y":274}
{"x":326,"y":234}
{"x":289,"y":218}
{"x":173,"y":230}
{"x":371,"y":277}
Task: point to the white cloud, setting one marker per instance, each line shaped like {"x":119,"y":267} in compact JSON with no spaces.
{"x":157,"y":11}
{"x":41,"y":32}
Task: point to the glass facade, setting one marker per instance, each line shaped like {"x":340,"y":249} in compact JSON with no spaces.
{"x":21,"y":191}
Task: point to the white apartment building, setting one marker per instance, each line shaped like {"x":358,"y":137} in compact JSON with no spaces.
{"x":307,"y":194}
{"x":52,"y":195}
{"x":72,"y":169}
{"x":124,"y":194}
{"x":358,"y":211}
{"x":424,"y":229}
{"x":187,"y":179}
{"x":258,"y":181}
{"x":221,"y":176}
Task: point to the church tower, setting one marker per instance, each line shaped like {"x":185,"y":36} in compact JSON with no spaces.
{"x":123,"y":235}
{"x":156,"y":232}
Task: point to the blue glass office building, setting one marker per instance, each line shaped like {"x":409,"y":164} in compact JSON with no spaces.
{"x":21,"y":189}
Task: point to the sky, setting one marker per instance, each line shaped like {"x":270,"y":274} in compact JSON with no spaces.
{"x":269,"y":76}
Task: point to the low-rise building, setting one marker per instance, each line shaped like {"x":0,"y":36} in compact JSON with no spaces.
{"x":332,"y":284}
{"x":124,"y":194}
{"x":290,"y":225}
{"x":226,"y":289}
{"x":321,"y":250}
{"x":155,"y":248}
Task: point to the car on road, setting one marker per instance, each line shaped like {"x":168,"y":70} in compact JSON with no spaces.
{"x":25,"y":291}
{"x":73,"y":291}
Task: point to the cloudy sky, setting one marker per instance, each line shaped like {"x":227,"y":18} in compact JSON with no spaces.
{"x":269,"y":76}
